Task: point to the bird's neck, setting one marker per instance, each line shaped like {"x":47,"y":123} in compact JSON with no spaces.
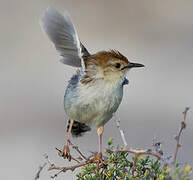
{"x":92,"y":78}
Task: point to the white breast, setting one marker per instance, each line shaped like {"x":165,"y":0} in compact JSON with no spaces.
{"x":94,"y":104}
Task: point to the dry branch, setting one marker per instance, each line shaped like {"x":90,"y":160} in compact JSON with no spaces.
{"x":141,"y":152}
{"x":78,"y":151}
{"x":177,"y":138}
{"x":134,"y":151}
{"x":64,"y":169}
{"x":117,"y":119}
{"x":37,"y":176}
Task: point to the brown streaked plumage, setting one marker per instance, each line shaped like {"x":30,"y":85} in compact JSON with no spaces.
{"x":102,"y":57}
{"x":86,"y":79}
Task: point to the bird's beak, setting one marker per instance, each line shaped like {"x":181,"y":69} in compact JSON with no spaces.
{"x":133,"y":65}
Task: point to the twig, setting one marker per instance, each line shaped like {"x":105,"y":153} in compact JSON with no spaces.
{"x":37,"y":176}
{"x":47,"y":159}
{"x":141,"y":152}
{"x":60,"y":153}
{"x":117,"y":119}
{"x":64,"y":169}
{"x":137,"y":153}
{"x":72,"y":168}
{"x":77,"y":149}
{"x":177,"y":138}
{"x":134,"y":164}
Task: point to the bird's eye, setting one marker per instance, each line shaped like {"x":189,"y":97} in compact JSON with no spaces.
{"x":117,"y":65}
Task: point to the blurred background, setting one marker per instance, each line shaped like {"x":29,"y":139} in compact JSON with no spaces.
{"x":156,"y":33}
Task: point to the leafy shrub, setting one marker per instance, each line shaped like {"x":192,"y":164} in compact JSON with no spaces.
{"x":119,"y":166}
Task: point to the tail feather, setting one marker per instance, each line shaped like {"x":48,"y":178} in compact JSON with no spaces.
{"x":78,"y":129}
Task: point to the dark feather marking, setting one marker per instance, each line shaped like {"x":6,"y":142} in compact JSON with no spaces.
{"x":125,"y":82}
{"x":78,"y":129}
{"x":87,"y":79}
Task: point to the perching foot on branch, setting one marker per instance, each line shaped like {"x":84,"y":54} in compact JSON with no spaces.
{"x":99,"y":158}
{"x":66,"y":152}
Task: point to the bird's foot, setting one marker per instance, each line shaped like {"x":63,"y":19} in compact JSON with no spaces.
{"x":65,"y":153}
{"x":99,"y":159}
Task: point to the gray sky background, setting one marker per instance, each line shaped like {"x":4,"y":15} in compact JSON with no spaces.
{"x":156,"y":33}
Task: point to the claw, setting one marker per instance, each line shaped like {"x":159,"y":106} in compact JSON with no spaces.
{"x":99,"y":159}
{"x":65,"y":153}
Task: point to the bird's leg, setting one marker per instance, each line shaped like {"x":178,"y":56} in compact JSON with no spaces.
{"x":99,"y":155}
{"x":66,"y":151}
{"x":100,"y":133}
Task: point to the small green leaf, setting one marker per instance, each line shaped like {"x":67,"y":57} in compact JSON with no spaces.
{"x":110,"y":142}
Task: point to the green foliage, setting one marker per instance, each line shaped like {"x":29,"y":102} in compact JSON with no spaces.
{"x":120,"y":166}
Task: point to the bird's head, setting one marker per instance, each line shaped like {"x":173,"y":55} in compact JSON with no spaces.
{"x":109,"y":65}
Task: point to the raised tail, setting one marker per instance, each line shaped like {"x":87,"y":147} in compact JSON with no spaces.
{"x":62,"y":33}
{"x":78,"y":129}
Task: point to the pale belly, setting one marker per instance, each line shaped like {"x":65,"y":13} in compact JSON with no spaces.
{"x":93,"y":105}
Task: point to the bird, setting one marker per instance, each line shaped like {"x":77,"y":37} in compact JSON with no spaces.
{"x":95,"y":92}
